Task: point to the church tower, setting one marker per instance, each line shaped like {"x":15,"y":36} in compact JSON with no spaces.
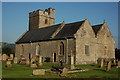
{"x":40,"y":18}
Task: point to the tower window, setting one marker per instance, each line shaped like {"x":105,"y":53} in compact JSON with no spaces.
{"x":46,"y":21}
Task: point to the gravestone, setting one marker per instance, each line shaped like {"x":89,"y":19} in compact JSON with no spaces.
{"x":72,"y":61}
{"x":27,"y":62}
{"x":114,"y":62}
{"x":40,"y":61}
{"x":33,"y":65}
{"x":65,"y":70}
{"x":23,"y":60}
{"x":33,"y":60}
{"x":11,"y":56}
{"x":15,"y":60}
{"x":118,"y":64}
{"x":4,"y":57}
{"x":101,"y":62}
{"x":39,"y":72}
{"x":8,"y":63}
{"x":108,"y":66}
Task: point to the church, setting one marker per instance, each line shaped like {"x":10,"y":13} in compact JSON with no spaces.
{"x":86,"y":42}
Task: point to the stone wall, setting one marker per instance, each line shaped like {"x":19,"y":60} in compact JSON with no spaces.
{"x":46,"y":49}
{"x":102,"y":46}
{"x":105,"y":43}
{"x":85,"y":37}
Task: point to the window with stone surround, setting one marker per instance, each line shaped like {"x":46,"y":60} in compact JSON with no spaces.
{"x":46,"y":21}
{"x":87,"y":52}
{"x":61,"y":48}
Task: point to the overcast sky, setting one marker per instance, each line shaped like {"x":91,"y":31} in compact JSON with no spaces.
{"x":15,"y":15}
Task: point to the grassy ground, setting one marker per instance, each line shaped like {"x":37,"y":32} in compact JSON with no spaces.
{"x":23,"y":71}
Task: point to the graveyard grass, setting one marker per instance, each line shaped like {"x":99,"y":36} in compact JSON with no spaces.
{"x":23,"y":71}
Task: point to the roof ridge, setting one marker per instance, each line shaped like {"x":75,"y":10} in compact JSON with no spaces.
{"x":76,"y":22}
{"x":97,"y":25}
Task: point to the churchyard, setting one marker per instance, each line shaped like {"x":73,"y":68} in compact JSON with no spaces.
{"x":12,"y":68}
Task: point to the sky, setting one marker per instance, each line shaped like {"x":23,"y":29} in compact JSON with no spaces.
{"x":15,"y":15}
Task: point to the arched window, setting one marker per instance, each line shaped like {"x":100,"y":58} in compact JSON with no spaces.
{"x":37,"y":49}
{"x":61,"y":48}
{"x":46,"y":21}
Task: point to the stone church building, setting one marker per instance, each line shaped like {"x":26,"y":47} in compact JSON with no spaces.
{"x":86,"y":42}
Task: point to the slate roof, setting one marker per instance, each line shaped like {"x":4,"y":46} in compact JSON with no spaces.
{"x":42,"y":34}
{"x":69,"y":30}
{"x":96,"y":28}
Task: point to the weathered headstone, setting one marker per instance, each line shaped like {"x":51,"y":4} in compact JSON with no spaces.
{"x":4,"y":57}
{"x":39,"y":72}
{"x":114,"y":61}
{"x":108,"y":66}
{"x":33,"y":60}
{"x":15,"y":60}
{"x":72,"y":61}
{"x":11,"y":56}
{"x":8,"y":64}
{"x":23,"y":61}
{"x":65,"y":70}
{"x":118,"y":64}
{"x":33,"y":65}
{"x":101,"y":63}
{"x":40,"y":61}
{"x":27,"y":62}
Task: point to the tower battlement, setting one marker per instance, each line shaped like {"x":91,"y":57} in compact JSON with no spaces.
{"x":41,"y":18}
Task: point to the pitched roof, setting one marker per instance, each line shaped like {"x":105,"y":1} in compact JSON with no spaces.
{"x":42,"y":34}
{"x":96,"y":28}
{"x":69,"y":30}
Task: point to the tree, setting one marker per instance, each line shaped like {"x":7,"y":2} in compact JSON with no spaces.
{"x":117,"y":54}
{"x":6,"y":50}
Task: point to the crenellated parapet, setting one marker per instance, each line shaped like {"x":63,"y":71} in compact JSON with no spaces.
{"x":41,"y":18}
